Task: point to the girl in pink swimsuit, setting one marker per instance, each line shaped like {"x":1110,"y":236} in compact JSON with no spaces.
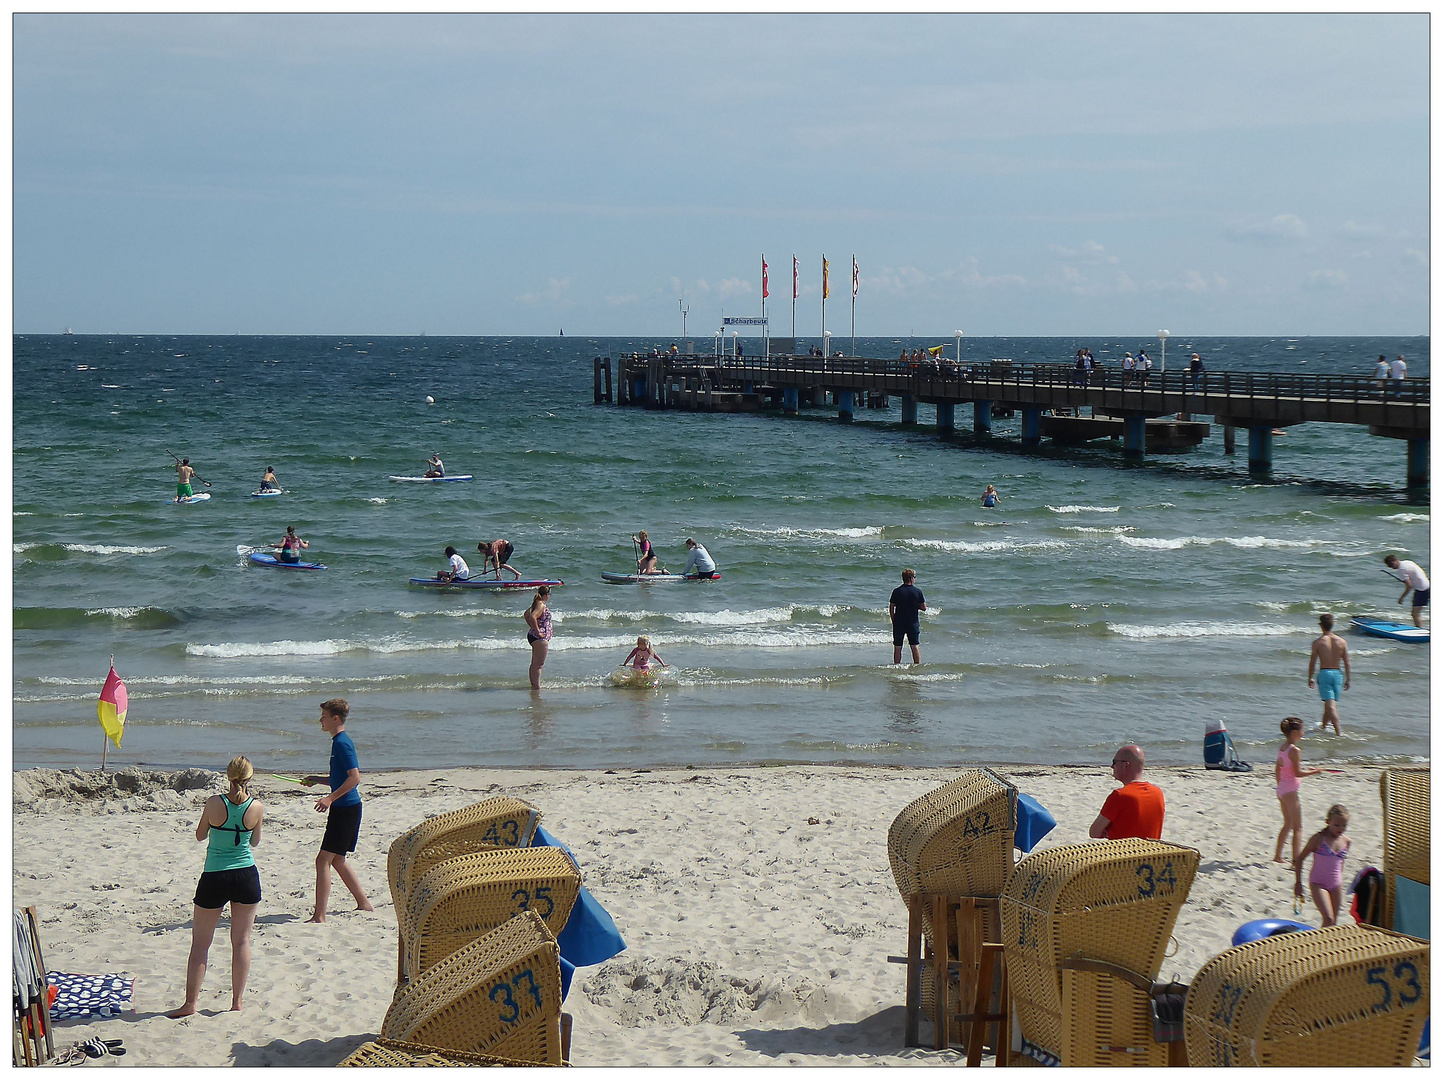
{"x":1288,"y":771}
{"x":1328,"y":847}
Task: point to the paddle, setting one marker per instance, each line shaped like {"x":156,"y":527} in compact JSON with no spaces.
{"x":292,"y":779}
{"x":635,"y":553}
{"x":196,"y":474}
{"x":247,"y":549}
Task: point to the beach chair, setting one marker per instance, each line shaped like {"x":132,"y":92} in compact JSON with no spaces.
{"x":388,"y":1053}
{"x":500,"y":995}
{"x":1342,"y":996}
{"x":461,"y":899}
{"x":34,"y":1040}
{"x":950,"y":853}
{"x":1084,"y":930}
{"x":1406,"y":836}
{"x":501,"y":822}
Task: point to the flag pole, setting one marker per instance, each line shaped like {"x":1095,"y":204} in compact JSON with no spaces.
{"x":766,"y":341}
{"x":103,"y":737}
{"x":794,"y":302}
{"x":854,"y":304}
{"x":824,"y":303}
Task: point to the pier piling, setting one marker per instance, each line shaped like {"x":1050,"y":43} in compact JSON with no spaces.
{"x":1418,"y":462}
{"x":946,"y":418}
{"x":982,"y":418}
{"x":1031,"y":427}
{"x":1230,"y":439}
{"x":1134,"y":436}
{"x":909,"y":409}
{"x":1260,"y":449}
{"x":844,"y":406}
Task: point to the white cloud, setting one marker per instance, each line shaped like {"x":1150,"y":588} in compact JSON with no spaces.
{"x":1281,"y":228}
{"x":554,"y":293}
{"x":735,"y":287}
{"x":1195,"y":281}
{"x":1415,"y":255}
{"x":1327,"y":279}
{"x":618,"y":301}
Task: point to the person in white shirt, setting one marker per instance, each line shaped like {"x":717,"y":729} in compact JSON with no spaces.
{"x":697,"y":560}
{"x":1415,"y":581}
{"x":1145,"y":362}
{"x":1128,"y":365}
{"x":458,"y":571}
{"x":1381,"y":373}
{"x":1399,"y":369}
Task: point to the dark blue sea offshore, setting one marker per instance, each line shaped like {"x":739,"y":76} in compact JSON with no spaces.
{"x":1100,"y":603}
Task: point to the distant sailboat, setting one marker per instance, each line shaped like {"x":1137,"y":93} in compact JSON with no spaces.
{"x":563,"y":332}
{"x":69,"y":332}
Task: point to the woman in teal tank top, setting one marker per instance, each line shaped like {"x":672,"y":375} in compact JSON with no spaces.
{"x":230,"y":825}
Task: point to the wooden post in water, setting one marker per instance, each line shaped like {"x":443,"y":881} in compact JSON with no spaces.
{"x":596,"y":380}
{"x":1230,"y":439}
{"x":606,"y":375}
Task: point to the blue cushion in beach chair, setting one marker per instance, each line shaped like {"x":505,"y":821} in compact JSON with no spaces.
{"x":590,"y":935}
{"x":1410,"y":907}
{"x":1033,"y":823}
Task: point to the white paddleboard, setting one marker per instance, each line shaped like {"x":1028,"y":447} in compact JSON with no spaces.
{"x":202,"y":496}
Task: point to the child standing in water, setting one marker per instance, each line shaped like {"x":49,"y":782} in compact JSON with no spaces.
{"x":1328,"y":847}
{"x":640,"y":658}
{"x":1287,"y":772}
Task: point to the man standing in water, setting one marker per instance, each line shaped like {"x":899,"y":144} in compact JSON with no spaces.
{"x":906,"y":602}
{"x":1335,"y":674}
{"x":1414,"y":580}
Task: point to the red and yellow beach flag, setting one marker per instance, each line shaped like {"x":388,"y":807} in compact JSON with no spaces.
{"x":765,"y":293}
{"x":112,"y":707}
{"x":795,"y":293}
{"x":854,"y":277}
{"x":826,"y":278}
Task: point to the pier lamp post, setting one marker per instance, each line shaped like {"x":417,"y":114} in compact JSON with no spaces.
{"x":1162,"y":336}
{"x":681,"y":304}
{"x":735,"y":354}
{"x":827,"y":343}
{"x":958,"y":335}
{"x":718,"y":345}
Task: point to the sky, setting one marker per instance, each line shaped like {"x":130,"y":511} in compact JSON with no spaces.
{"x":496,"y":174}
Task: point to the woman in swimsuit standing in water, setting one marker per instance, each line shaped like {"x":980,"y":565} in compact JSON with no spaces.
{"x":1328,"y":847}
{"x":538,"y":633}
{"x":1287,"y":771}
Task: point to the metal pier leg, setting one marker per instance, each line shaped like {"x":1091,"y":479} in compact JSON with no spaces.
{"x":1260,"y":449}
{"x":946,"y":417}
{"x":909,"y":409}
{"x":982,"y":418}
{"x":1230,"y":439}
{"x":1418,"y":462}
{"x":1031,"y":427}
{"x":844,"y":405}
{"x":1134,"y":436}
{"x":789,"y":399}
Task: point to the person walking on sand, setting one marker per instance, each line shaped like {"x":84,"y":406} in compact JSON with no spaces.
{"x":343,"y":809}
{"x":1287,"y":772}
{"x":538,"y":633}
{"x":1134,"y":810}
{"x":230,"y":825}
{"x":907,"y":600}
{"x":1328,"y":847}
{"x":1335,"y":674}
{"x":1415,"y":581}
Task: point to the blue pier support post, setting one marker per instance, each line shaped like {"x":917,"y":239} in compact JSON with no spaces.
{"x":946,"y":417}
{"x":1418,"y":462}
{"x":1260,"y":449}
{"x":749,"y":388}
{"x":1134,"y":436}
{"x":1031,"y":427}
{"x":790,"y":403}
{"x":982,"y":418}
{"x":909,"y":409}
{"x":844,"y":405}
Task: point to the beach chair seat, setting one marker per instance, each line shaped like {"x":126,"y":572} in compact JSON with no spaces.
{"x":1341,"y":996}
{"x":950,"y":851}
{"x":500,"y":822}
{"x":1114,"y":902}
{"x":387,"y":1053}
{"x":461,"y":899}
{"x":500,"y":995}
{"x":1406,"y":836}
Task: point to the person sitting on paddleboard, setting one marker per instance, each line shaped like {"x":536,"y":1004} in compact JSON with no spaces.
{"x":497,"y":556}
{"x":291,"y":545}
{"x":183,"y":473}
{"x":646,"y":556}
{"x":990,"y":497}
{"x":435,"y":468}
{"x":640,"y":658}
{"x":269,"y":481}
{"x":698,"y":562}
{"x":458,"y":571}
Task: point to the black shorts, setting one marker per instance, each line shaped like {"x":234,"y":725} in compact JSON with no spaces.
{"x":217,"y":888}
{"x":1420,"y":597}
{"x":912,"y":633}
{"x":343,"y":827}
{"x":504,"y":556}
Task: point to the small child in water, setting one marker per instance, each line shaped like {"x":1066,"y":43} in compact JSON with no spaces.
{"x":1328,"y":847}
{"x":640,"y":658}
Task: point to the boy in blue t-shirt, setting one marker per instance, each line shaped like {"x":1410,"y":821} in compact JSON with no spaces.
{"x":343,"y":825}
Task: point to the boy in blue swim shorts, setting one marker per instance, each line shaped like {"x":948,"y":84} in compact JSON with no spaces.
{"x":1330,"y":656}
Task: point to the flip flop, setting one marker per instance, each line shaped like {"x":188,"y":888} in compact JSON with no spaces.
{"x":98,"y":1048}
{"x":71,"y":1055}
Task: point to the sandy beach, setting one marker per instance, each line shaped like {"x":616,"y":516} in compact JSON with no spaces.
{"x":756,"y":903}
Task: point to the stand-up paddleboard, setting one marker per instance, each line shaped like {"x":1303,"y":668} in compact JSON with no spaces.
{"x":260,"y":558}
{"x":485,"y":583}
{"x":201,"y":496}
{"x":648,"y":579}
{"x":1398,"y":631}
{"x":430,"y":479}
{"x":270,"y":493}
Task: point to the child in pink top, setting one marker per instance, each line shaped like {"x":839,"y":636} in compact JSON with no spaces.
{"x":1328,"y":847}
{"x":1288,"y":771}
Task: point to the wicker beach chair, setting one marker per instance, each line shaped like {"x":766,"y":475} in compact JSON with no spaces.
{"x":500,"y":995}
{"x":461,"y":899}
{"x":1085,"y":928}
{"x":950,"y":852}
{"x":1406,"y":832}
{"x":1342,"y":996}
{"x":501,"y":822}
{"x":387,"y":1053}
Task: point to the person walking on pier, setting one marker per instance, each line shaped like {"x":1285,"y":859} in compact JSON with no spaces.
{"x":1413,"y":579}
{"x":1195,"y":371}
{"x":1335,"y":674}
{"x":1129,"y":365}
{"x":907,"y":600}
{"x":1144,"y":363}
{"x":1381,"y":374}
{"x":1398,"y":371}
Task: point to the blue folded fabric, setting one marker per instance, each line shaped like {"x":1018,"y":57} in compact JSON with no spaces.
{"x":1033,"y":823}
{"x":589,"y":936}
{"x":1410,"y":907}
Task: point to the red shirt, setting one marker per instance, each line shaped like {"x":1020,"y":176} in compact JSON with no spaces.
{"x":1134,"y":809}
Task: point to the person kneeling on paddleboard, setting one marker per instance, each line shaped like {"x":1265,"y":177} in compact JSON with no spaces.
{"x":434,"y":467}
{"x":698,"y":561}
{"x":645,"y":555}
{"x":291,"y":546}
{"x":459,"y":571}
{"x":497,"y":555}
{"x":269,"y":481}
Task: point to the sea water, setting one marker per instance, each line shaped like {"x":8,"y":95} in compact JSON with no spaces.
{"x":1100,"y":603}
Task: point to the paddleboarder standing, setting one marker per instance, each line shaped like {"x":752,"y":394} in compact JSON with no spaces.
{"x":1335,"y":674}
{"x":183,"y":475}
{"x":1414,"y":581}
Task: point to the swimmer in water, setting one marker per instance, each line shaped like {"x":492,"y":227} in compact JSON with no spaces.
{"x":990,"y":498}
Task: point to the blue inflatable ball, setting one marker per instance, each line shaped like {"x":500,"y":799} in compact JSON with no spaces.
{"x":1266,"y":928}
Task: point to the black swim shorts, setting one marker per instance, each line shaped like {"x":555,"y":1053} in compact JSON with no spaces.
{"x":217,"y":888}
{"x":343,"y":827}
{"x":912,"y":633}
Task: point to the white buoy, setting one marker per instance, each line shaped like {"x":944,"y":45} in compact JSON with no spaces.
{"x":430,"y":400}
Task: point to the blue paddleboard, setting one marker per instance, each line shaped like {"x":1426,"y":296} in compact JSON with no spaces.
{"x":260,"y":558}
{"x":1398,"y":631}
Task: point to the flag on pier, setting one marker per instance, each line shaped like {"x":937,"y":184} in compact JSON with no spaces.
{"x":854,"y":277}
{"x":795,"y":294}
{"x":826,"y":278}
{"x":765,"y":293}
{"x":112,"y":707}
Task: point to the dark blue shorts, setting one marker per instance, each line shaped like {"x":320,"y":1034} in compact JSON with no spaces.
{"x":912,"y":633}
{"x":1420,"y":597}
{"x":343,"y":828}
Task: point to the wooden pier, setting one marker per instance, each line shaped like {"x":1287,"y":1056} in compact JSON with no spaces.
{"x":1153,"y":413}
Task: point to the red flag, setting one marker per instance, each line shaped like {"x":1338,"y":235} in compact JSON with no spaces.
{"x":795,"y":294}
{"x":854,"y":277}
{"x":765,"y":294}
